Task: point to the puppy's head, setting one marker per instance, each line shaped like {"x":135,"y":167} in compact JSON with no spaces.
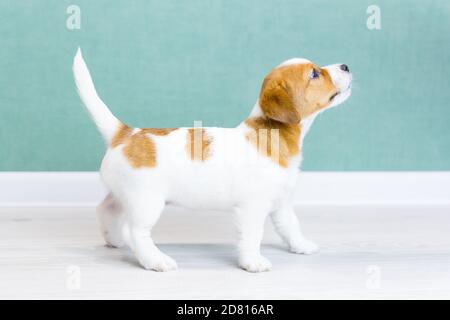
{"x":298,"y":88}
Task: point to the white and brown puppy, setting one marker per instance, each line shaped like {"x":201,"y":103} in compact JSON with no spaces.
{"x":251,"y":169}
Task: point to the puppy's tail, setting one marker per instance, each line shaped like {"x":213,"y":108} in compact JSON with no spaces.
{"x":106,"y":122}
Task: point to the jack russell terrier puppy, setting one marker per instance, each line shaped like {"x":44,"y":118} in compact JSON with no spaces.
{"x":251,"y":169}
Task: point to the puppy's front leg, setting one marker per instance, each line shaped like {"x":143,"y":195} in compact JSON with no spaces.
{"x":288,"y":227}
{"x":250,"y":223}
{"x":143,"y":214}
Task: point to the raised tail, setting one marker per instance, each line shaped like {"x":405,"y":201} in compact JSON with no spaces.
{"x":106,"y":122}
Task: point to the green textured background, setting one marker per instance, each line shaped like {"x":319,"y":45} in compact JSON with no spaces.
{"x":168,"y":63}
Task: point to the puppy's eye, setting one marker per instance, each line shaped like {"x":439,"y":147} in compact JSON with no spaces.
{"x":315,"y":74}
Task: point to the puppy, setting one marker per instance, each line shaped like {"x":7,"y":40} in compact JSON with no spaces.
{"x":251,"y":169}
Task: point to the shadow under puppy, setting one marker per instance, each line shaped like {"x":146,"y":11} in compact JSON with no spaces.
{"x":251,"y":169}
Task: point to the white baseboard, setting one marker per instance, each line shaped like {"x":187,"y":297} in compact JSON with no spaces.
{"x":315,"y":188}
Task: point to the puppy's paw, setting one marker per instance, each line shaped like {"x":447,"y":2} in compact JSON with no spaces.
{"x":160,"y":263}
{"x":304,"y":247}
{"x":255,"y":264}
{"x":113,"y":240}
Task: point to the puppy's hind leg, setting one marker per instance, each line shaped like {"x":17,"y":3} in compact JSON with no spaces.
{"x":112,"y":220}
{"x":143,"y":213}
{"x":288,"y":227}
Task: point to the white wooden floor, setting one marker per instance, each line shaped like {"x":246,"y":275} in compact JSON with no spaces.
{"x":367,"y":252}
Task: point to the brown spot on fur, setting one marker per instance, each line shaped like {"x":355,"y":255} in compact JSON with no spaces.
{"x":198,"y":144}
{"x":159,"y":131}
{"x":289,"y":95}
{"x":122,"y":133}
{"x":140,"y":150}
{"x":274,"y":139}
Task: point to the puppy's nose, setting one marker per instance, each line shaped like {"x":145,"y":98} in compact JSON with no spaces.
{"x":344,"y":67}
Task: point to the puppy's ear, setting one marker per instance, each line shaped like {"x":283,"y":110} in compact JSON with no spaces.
{"x":277,"y":101}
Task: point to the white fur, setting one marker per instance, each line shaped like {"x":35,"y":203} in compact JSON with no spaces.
{"x":106,"y":122}
{"x":235,"y":177}
{"x":343,"y":82}
{"x":294,"y":61}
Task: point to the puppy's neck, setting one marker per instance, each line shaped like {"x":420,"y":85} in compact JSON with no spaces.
{"x":289,"y":135}
{"x":304,"y":125}
{"x":258,"y":120}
